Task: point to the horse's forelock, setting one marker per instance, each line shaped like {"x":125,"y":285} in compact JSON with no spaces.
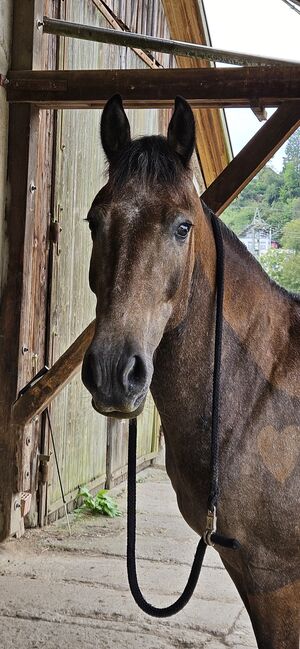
{"x":147,"y":160}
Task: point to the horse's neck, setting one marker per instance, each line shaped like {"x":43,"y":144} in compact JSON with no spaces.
{"x":261,"y":316}
{"x":256,"y":327}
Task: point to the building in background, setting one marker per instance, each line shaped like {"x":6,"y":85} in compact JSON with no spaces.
{"x":257,"y":236}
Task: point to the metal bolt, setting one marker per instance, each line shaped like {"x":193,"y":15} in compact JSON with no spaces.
{"x":39,"y":23}
{"x":27,"y":441}
{"x":32,"y":187}
{"x":17,"y":505}
{"x":3,"y":81}
{"x":24,"y":349}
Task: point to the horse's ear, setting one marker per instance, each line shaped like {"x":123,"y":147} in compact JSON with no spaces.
{"x":181,"y":131}
{"x":115,"y":129}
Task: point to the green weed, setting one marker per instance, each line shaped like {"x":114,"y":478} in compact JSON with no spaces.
{"x":101,"y":503}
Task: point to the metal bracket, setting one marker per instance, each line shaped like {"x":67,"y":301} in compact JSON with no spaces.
{"x":259,"y":111}
{"x":54,"y":234}
{"x":3,"y":81}
{"x":44,"y":468}
{"x":25,"y":503}
{"x":32,"y":382}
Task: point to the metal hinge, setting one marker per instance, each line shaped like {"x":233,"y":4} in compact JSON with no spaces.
{"x":45,"y":469}
{"x":54,"y":234}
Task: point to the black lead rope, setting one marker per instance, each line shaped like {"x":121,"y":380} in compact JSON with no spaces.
{"x":211,"y":537}
{"x":131,"y":539}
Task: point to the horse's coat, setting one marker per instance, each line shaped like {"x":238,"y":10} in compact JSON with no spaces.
{"x":153,"y":272}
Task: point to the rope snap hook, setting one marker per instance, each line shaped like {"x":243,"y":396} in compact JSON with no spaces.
{"x":211,"y":526}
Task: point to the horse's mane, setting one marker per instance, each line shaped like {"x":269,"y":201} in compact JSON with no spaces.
{"x":147,"y":159}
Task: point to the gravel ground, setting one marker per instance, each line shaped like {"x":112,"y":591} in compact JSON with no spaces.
{"x":72,"y":592}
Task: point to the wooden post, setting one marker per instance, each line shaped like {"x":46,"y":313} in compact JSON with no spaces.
{"x":24,"y":297}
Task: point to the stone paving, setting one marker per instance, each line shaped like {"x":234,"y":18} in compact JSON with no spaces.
{"x":71,"y":592}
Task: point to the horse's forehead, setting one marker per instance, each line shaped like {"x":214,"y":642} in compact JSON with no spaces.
{"x":152,"y":203}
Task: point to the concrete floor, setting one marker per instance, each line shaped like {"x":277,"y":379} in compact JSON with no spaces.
{"x":71,"y":592}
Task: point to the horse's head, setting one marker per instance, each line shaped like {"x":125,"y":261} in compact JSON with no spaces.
{"x":142,"y":258}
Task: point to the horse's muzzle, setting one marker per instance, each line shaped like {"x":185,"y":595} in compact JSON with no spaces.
{"x":117,"y":378}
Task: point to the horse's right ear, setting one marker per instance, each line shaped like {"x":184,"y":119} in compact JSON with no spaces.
{"x":181,"y":131}
{"x":115,"y":129}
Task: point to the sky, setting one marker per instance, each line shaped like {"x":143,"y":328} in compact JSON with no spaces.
{"x":262,"y":27}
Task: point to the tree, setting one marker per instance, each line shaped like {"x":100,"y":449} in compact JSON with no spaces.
{"x":238,"y":219}
{"x":276,"y":194}
{"x":291,"y":181}
{"x":292,"y":151}
{"x":291,"y":235}
{"x":284,"y":267}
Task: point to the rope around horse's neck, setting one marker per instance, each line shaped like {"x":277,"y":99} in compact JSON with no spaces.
{"x":211,"y":537}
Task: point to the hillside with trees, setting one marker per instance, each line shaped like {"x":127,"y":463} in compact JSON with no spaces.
{"x":277,"y":195}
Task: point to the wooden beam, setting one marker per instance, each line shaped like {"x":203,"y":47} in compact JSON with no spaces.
{"x":204,"y":87}
{"x":132,"y":39}
{"x":253,"y":157}
{"x":213,"y":146}
{"x":23,"y":302}
{"x":38,"y":397}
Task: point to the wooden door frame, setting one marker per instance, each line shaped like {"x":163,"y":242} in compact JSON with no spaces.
{"x":22,"y":339}
{"x":18,"y":436}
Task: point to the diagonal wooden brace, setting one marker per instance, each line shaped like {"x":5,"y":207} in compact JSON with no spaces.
{"x":252,"y":157}
{"x":38,"y":397}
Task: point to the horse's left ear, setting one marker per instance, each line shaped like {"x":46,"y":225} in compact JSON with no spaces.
{"x":115,"y":129}
{"x":181,"y":131}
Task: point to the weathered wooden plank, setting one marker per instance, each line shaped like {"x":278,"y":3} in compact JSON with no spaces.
{"x":203,"y":87}
{"x":118,"y":24}
{"x":80,"y":431}
{"x":213,"y":146}
{"x":26,"y":269}
{"x":37,"y":398}
{"x":253,"y":157}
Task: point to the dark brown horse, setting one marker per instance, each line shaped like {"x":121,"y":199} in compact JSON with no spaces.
{"x":153,"y":273}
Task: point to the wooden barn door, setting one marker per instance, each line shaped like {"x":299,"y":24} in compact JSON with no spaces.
{"x":91,"y":450}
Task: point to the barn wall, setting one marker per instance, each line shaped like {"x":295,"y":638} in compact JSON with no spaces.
{"x":88,"y":450}
{"x":6,"y":10}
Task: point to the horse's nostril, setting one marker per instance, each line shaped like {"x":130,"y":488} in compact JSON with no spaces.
{"x":135,"y":374}
{"x":91,"y":371}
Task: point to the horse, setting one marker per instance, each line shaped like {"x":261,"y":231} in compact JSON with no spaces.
{"x":152,"y":269}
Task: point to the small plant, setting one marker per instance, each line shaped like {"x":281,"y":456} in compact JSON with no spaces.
{"x":101,"y":503}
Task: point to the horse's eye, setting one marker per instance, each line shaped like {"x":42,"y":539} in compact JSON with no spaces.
{"x":183,"y":230}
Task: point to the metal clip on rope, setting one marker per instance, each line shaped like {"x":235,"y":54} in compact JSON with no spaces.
{"x":212,"y":538}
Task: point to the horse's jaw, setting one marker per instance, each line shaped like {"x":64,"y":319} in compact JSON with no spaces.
{"x":119,"y":414}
